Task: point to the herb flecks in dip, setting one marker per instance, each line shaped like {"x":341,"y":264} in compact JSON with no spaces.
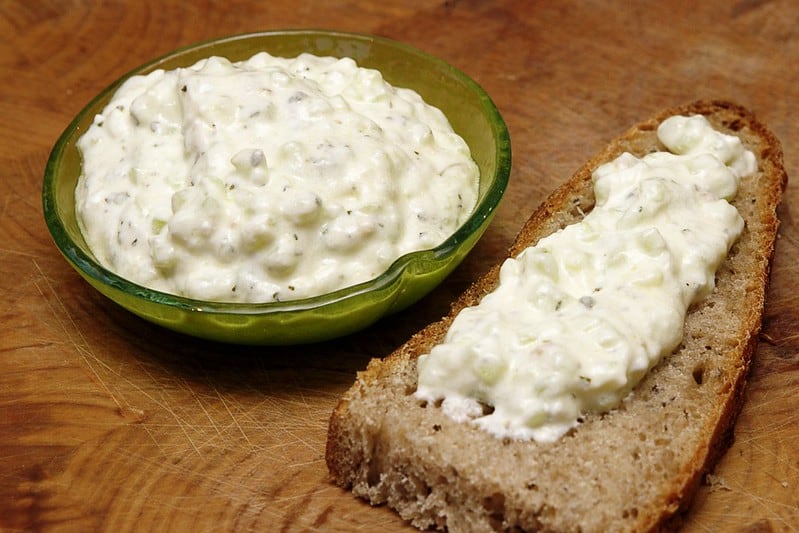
{"x":268,"y":179}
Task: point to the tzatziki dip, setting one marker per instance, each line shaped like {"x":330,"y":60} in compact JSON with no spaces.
{"x":268,"y":179}
{"x":580,"y":317}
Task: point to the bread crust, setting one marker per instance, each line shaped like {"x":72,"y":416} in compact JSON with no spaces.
{"x":632,"y":469}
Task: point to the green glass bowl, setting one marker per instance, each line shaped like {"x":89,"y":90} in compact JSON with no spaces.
{"x":468,"y":108}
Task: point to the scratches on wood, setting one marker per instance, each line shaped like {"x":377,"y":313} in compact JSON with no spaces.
{"x":107,"y":422}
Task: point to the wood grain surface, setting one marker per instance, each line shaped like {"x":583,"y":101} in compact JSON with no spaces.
{"x":110,"y":423}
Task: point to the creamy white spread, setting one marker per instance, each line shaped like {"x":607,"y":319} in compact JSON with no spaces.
{"x":578,"y":319}
{"x":268,"y":179}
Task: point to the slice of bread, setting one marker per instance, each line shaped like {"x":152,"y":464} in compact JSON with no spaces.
{"x":631,"y":469}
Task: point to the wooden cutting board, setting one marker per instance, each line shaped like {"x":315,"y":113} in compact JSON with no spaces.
{"x":110,"y":423}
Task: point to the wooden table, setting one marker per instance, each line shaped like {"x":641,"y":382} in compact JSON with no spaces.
{"x":110,"y":423}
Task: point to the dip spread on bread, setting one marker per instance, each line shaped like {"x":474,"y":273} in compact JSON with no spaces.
{"x":268,"y":179}
{"x":579,"y":318}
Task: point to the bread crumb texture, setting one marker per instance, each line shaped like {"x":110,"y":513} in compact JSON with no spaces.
{"x":631,"y":469}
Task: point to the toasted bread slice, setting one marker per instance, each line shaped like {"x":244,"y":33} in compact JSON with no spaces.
{"x":631,"y":469}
